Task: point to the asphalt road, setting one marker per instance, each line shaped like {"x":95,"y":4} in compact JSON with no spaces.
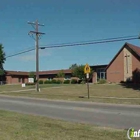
{"x":106,"y":115}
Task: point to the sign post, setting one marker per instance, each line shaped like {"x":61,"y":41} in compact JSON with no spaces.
{"x":87,"y":71}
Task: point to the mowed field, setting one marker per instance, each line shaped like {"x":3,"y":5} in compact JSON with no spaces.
{"x":16,"y":126}
{"x":106,"y":93}
{"x":30,"y":127}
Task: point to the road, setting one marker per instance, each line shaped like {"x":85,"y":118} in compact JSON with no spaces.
{"x":106,"y":115}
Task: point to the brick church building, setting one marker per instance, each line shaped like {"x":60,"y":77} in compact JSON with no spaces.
{"x":123,"y":64}
{"x":119,"y":69}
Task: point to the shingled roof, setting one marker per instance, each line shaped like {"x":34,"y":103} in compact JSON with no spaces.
{"x":55,"y":72}
{"x":16,"y":73}
{"x":134,"y":48}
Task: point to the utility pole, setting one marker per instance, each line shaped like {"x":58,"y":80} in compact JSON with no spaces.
{"x":37,"y":34}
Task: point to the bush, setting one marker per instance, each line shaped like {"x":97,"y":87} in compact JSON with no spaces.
{"x":40,"y":81}
{"x":47,"y":82}
{"x":102,"y":81}
{"x":73,"y":81}
{"x":58,"y":82}
{"x":53,"y":81}
{"x":67,"y":82}
{"x":83,"y":82}
{"x":79,"y":81}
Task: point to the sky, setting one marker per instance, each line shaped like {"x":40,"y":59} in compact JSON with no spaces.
{"x":66,"y":21}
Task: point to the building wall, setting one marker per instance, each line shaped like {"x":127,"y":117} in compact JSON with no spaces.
{"x":135,"y":63}
{"x":15,"y":79}
{"x":123,"y":66}
{"x":115,"y":73}
{"x":8,"y":79}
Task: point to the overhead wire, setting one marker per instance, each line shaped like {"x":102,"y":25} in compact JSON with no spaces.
{"x":99,"y":41}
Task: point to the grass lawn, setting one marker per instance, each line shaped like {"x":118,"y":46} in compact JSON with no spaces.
{"x":19,"y":87}
{"x":15,"y":126}
{"x":72,"y":92}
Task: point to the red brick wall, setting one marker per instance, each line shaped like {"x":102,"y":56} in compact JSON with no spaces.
{"x":115,"y":73}
{"x":15,"y":79}
{"x":135,"y":63}
{"x":8,"y":79}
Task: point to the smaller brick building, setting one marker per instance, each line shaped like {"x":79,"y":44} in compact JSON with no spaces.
{"x":14,"y":77}
{"x":18,"y":77}
{"x":124,"y":63}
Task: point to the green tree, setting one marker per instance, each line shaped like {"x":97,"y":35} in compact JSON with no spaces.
{"x":2,"y":61}
{"x":73,"y":66}
{"x":78,"y":71}
{"x":60,"y":74}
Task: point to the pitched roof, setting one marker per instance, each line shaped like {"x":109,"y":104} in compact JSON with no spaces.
{"x":134,"y":48}
{"x":17,"y":73}
{"x":55,"y":71}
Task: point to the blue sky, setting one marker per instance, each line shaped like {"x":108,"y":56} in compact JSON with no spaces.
{"x":66,"y":21}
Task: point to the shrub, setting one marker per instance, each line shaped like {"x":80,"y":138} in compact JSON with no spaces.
{"x":67,"y":82}
{"x":136,"y":76}
{"x":40,"y":81}
{"x":73,"y":81}
{"x":58,"y":82}
{"x":79,"y":81}
{"x":47,"y":82}
{"x":102,"y":81}
{"x":53,"y":81}
{"x":82,"y":82}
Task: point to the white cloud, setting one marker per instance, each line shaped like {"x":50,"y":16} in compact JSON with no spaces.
{"x":43,"y":53}
{"x":32,"y":56}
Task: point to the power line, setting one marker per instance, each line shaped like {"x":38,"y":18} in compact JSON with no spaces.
{"x":121,"y":37}
{"x":20,"y":53}
{"x":100,"y":41}
{"x":89,"y":43}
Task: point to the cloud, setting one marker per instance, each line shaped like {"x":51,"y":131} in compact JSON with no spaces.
{"x":27,"y":58}
{"x":32,"y":56}
{"x":43,"y":53}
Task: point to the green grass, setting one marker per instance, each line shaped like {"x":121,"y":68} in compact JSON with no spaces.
{"x":72,"y":92}
{"x":15,"y":126}
{"x":19,"y":87}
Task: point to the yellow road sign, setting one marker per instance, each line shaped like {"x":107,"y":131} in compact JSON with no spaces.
{"x":87,"y":69}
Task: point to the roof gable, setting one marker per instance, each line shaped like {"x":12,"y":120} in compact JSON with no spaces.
{"x":134,"y":48}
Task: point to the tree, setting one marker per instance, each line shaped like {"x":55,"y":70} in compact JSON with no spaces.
{"x":73,"y":66}
{"x":78,"y":71}
{"x":136,"y":76}
{"x":60,"y":74}
{"x":2,"y":57}
{"x":2,"y":61}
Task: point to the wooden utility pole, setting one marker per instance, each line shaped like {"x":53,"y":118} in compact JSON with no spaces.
{"x":37,"y":34}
